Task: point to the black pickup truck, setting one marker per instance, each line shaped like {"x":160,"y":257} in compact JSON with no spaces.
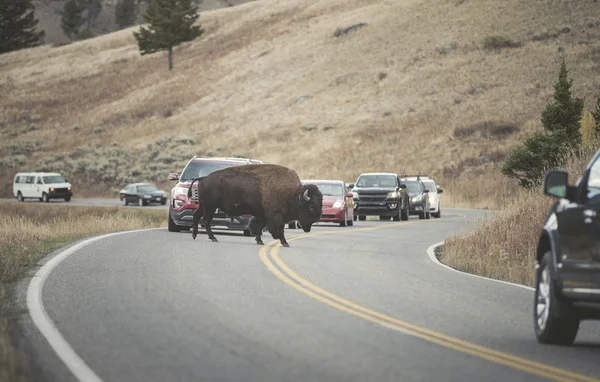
{"x":381,"y":194}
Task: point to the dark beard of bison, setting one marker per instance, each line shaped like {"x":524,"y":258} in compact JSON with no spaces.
{"x":310,"y":206}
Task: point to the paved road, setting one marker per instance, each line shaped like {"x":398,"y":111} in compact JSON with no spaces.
{"x":360,"y":303}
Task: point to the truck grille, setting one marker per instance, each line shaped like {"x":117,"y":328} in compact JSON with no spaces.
{"x":379,"y":197}
{"x":61,"y":190}
{"x":194,"y":194}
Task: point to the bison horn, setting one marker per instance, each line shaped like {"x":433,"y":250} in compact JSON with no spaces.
{"x":305,"y":195}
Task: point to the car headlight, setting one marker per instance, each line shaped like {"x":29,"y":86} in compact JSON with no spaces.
{"x":147,"y":196}
{"x":393,"y":195}
{"x":338,"y":203}
{"x":51,"y":189}
{"x":69,"y":188}
{"x":181,"y":191}
{"x":417,"y":198}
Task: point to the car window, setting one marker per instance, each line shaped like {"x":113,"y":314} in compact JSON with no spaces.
{"x":54,"y":179}
{"x":376,"y":181}
{"x":413,"y":186}
{"x":198,"y":169}
{"x":30,"y":179}
{"x":430,"y":185}
{"x":146,"y":188}
{"x":594,"y":178}
{"x":331,"y":189}
{"x":39,"y":180}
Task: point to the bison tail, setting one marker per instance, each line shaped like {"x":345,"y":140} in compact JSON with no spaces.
{"x":189,"y":193}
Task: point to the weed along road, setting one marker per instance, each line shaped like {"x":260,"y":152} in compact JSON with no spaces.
{"x":362,"y":303}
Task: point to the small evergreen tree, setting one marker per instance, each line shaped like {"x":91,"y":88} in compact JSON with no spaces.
{"x":549,"y":149}
{"x":72,"y":18}
{"x":171,"y":22}
{"x":565,"y":112}
{"x":125,"y":13}
{"x":18,"y":25}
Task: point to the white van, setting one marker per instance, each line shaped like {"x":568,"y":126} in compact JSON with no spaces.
{"x":41,"y":185}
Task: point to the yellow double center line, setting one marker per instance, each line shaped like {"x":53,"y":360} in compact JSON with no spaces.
{"x":269,"y":255}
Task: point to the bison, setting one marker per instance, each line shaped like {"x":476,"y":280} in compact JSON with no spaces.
{"x":273,"y":194}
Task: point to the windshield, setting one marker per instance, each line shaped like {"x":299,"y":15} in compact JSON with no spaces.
{"x":198,"y":169}
{"x":430,"y":185}
{"x":376,"y":181}
{"x":147,"y":188}
{"x":412,"y":186}
{"x":54,"y":179}
{"x":331,"y":189}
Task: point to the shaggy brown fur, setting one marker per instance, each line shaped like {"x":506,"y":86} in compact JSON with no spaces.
{"x":273,"y":194}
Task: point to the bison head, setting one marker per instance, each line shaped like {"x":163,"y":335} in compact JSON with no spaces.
{"x":310,"y":201}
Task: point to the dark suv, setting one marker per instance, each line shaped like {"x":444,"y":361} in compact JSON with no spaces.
{"x":381,"y":194}
{"x":182,"y":208}
{"x":417,"y":193}
{"x":568,"y":257}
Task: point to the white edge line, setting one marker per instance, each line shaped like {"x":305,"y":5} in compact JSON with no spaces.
{"x":42,"y":321}
{"x":431,"y":254}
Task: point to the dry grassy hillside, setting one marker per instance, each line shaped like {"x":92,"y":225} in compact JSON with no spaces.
{"x":413,"y":89}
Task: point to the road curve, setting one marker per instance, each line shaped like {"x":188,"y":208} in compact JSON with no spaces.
{"x":349,"y":304}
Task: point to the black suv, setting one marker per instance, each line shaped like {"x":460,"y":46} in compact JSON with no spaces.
{"x":382,"y":194}
{"x":568,"y":257}
{"x":417,"y":193}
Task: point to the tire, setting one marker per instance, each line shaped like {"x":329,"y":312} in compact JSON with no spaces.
{"x":397,"y":216}
{"x":292,"y":225}
{"x":141,"y":202}
{"x":247,"y":232}
{"x":438,"y":214}
{"x":20,"y":197}
{"x":345,"y":221}
{"x":67,"y":199}
{"x":554,"y":319}
{"x":163,"y":202}
{"x":362,"y":217}
{"x":350,"y":223}
{"x":45,"y":198}
{"x":404,"y":213}
{"x":174,"y":227}
{"x":428,"y":215}
{"x":422,"y":215}
{"x":355,"y":217}
{"x":124,"y":201}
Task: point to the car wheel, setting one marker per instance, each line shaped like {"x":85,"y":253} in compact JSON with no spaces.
{"x":163,"y":202}
{"x":428,"y":215}
{"x":404,"y":213}
{"x":350,"y":222}
{"x":124,"y":201}
{"x":438,"y":214}
{"x":247,"y":232}
{"x":422,"y":215}
{"x":174,"y":227}
{"x":362,"y":217}
{"x":355,"y":217}
{"x":554,"y":319}
{"x":45,"y":198}
{"x":141,"y":202}
{"x":343,"y":222}
{"x":292,"y":225}
{"x":67,"y":198}
{"x":20,"y":197}
{"x":397,"y":216}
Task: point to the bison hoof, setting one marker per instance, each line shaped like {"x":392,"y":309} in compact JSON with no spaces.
{"x":214,"y":239}
{"x":285,"y":245}
{"x":194,"y":236}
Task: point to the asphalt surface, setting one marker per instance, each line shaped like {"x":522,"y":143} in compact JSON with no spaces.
{"x":93,"y":202}
{"x":159,"y":306}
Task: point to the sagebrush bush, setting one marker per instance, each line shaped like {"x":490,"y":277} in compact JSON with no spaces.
{"x":499,"y":42}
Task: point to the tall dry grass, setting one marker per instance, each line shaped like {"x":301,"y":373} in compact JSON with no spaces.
{"x":503,"y":246}
{"x":30,"y":230}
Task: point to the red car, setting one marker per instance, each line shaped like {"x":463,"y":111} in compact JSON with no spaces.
{"x":181,"y":208}
{"x":338,"y":203}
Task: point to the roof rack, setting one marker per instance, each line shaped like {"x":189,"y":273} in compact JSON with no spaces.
{"x":413,"y":176}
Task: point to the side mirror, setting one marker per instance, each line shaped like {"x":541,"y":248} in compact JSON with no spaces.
{"x":173,"y":176}
{"x":402,"y":185}
{"x":440,"y":190}
{"x":426,"y":191}
{"x":350,"y":195}
{"x":66,"y":180}
{"x":556,"y":183}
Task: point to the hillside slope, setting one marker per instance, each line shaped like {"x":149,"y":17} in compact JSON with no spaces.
{"x":411,"y":89}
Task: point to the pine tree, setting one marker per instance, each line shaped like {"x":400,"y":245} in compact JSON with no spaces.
{"x":171,"y":22}
{"x":566,"y":111}
{"x":125,"y":13}
{"x":18,"y":25}
{"x":71,"y":18}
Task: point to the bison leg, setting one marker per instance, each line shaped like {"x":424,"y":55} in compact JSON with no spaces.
{"x":198,"y":212}
{"x":277,"y":230}
{"x":206,"y":219}
{"x":256,"y":227}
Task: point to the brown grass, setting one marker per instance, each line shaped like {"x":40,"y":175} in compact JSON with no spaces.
{"x":28,"y":232}
{"x":391,"y":91}
{"x":504,"y":246}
